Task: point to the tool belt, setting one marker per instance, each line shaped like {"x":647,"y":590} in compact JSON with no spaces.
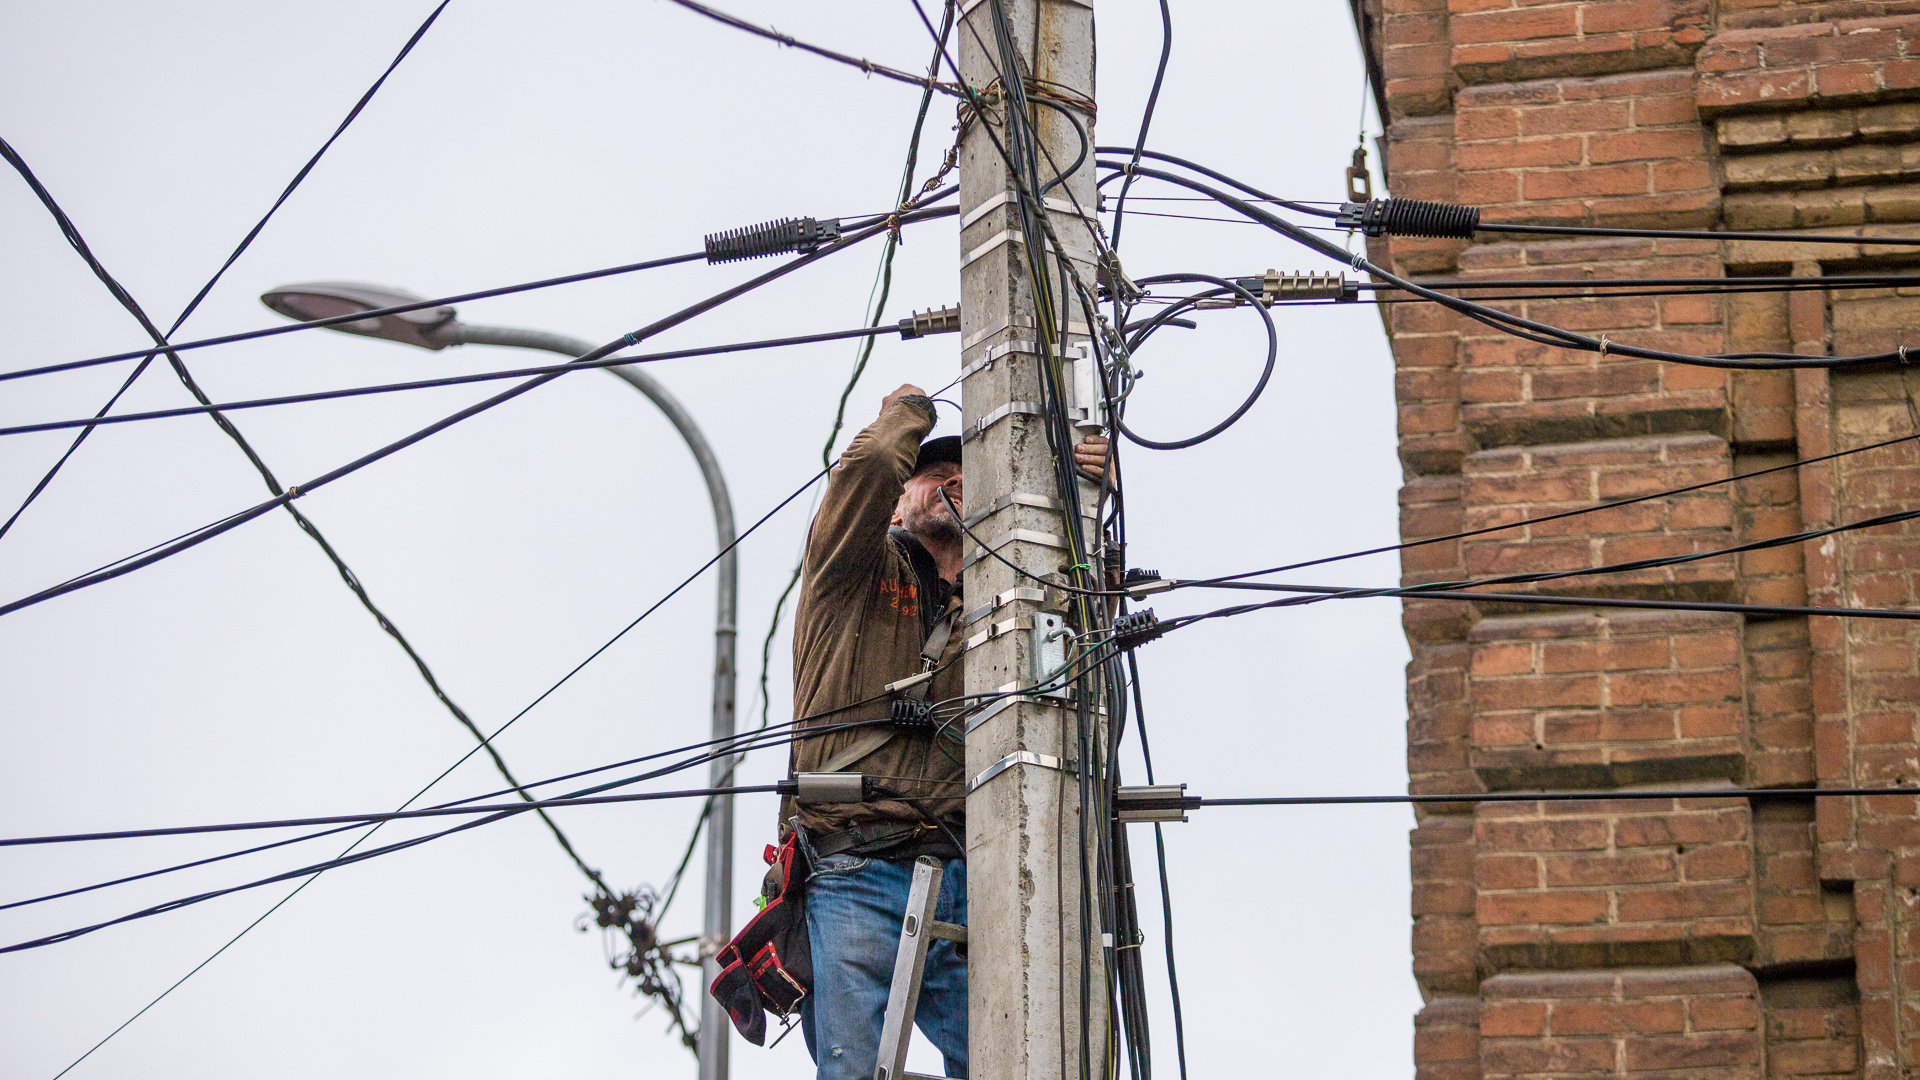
{"x":768,"y":966}
{"x":902,"y":840}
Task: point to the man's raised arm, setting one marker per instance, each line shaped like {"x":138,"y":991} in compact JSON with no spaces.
{"x":850,"y":531}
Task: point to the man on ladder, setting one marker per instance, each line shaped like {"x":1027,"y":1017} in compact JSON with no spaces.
{"x":880,"y":607}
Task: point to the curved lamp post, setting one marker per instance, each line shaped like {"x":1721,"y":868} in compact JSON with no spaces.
{"x":437,"y":328}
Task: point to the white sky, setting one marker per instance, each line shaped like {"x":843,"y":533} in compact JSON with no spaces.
{"x":241,"y":680}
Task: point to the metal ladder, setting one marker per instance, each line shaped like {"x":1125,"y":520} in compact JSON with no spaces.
{"x":917,"y":931}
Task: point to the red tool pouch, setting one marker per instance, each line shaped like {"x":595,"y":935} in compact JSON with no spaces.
{"x":768,"y":966}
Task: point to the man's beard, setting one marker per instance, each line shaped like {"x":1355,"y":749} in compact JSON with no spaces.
{"x":933,"y":523}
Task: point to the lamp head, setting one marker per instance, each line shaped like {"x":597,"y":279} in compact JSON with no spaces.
{"x":309,"y":301}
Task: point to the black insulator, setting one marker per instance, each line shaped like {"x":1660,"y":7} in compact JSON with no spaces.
{"x":803,"y":235}
{"x":1410,"y":217}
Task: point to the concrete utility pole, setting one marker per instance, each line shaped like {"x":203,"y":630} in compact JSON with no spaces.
{"x":1023,"y":883}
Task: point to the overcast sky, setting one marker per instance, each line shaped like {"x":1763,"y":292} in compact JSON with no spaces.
{"x":241,"y":680}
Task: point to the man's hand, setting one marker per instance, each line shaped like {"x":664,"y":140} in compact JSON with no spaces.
{"x":1091,"y":457}
{"x":906,"y":390}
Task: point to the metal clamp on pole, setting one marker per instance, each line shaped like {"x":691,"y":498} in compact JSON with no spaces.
{"x":1021,"y":757}
{"x":1159,"y":802}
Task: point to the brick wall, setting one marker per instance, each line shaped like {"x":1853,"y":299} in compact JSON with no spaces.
{"x":1726,"y":935}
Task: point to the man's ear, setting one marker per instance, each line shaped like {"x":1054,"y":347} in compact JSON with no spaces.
{"x":895,"y":519}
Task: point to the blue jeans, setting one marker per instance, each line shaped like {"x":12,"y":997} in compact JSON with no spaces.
{"x":855,"y":907}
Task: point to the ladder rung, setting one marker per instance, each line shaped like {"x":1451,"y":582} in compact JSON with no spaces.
{"x":947,"y":931}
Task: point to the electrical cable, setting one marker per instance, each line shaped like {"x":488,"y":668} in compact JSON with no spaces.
{"x":278,"y":904}
{"x":1160,"y":851}
{"x":346,"y":828}
{"x":1141,"y":335}
{"x":1606,"y":795}
{"x":770,"y":34}
{"x":233,"y":521}
{"x":80,"y":246}
{"x":352,"y":317}
{"x":369,"y":819}
{"x":877,"y":308}
{"x":451,"y":380}
{"x":1544,"y":598}
{"x":1597,"y":508}
{"x":1146,"y":115}
{"x":1512,"y":324}
{"x":1632,"y":566}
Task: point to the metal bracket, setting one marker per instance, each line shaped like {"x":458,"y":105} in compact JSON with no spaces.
{"x":1024,"y":408}
{"x":1021,"y":757}
{"x":1038,"y":596}
{"x":994,"y":202}
{"x":1013,"y":498}
{"x":1005,"y":321}
{"x":996,"y":630}
{"x":1031,"y":536}
{"x":1021,"y":346}
{"x":1048,"y":650}
{"x":1015,"y":236}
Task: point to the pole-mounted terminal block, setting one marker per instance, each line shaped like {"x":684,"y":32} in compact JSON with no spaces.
{"x":1274,"y":285}
{"x":804,"y":235}
{"x":1158,"y":802}
{"x":1136,"y":628}
{"x":1409,"y":217}
{"x":922,"y":323}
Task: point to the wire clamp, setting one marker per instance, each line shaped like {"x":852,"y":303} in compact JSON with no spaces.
{"x":1158,"y":802}
{"x":1136,"y":628}
{"x":294,"y":492}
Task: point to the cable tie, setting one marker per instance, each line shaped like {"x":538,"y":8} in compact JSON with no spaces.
{"x":294,"y":492}
{"x":1603,"y":346}
{"x":1903,"y":356}
{"x":630,"y":339}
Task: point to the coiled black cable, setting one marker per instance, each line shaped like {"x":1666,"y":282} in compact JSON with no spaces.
{"x":1166,"y":316}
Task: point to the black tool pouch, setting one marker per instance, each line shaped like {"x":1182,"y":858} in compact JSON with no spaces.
{"x":768,"y":966}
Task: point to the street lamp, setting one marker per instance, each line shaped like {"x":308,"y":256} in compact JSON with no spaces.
{"x":436,"y":328}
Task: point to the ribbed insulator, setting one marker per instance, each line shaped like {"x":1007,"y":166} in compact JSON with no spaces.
{"x":1418,"y":217}
{"x":770,"y":238}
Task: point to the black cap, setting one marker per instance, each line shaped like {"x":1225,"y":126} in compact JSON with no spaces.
{"x":935,"y":451}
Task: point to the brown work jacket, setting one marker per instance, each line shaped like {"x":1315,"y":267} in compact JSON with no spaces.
{"x":859,"y":627}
